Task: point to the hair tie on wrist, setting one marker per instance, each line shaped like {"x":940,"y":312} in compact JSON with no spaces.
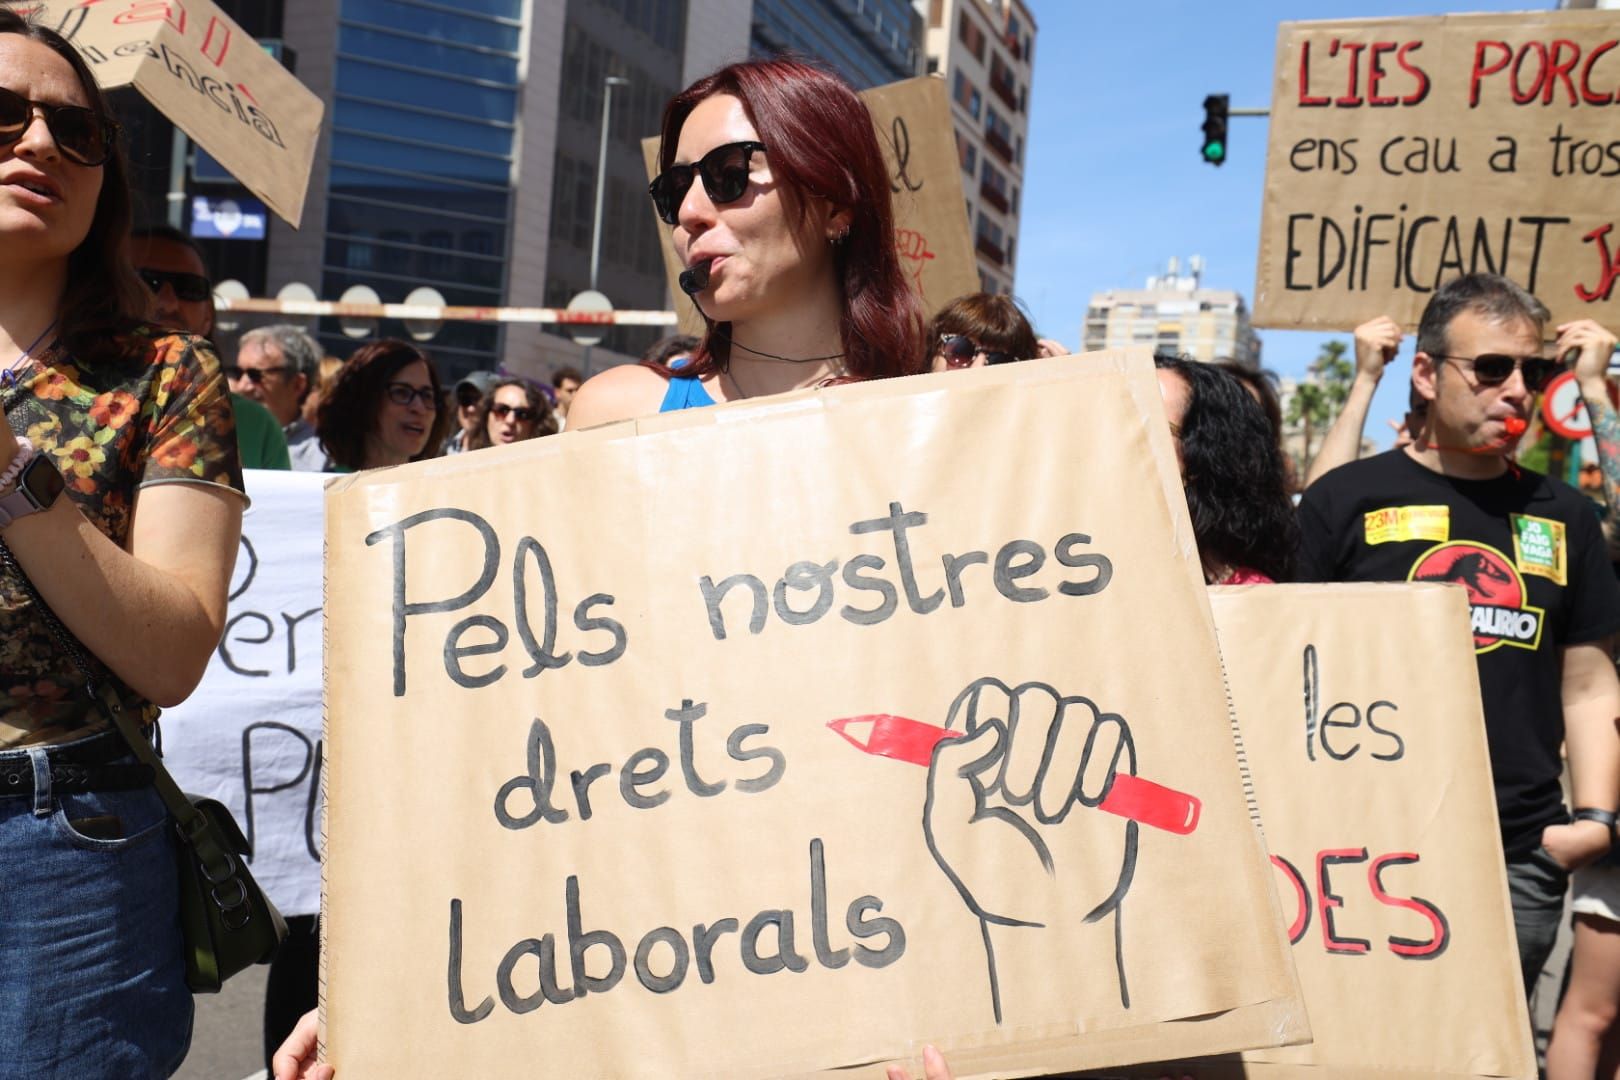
{"x":25,"y":453}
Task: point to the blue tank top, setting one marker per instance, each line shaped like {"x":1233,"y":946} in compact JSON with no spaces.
{"x":685,"y":392}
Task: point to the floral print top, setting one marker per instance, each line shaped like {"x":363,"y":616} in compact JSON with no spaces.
{"x":159,"y":414}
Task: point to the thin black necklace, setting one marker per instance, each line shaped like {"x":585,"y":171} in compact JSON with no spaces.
{"x":729,"y":340}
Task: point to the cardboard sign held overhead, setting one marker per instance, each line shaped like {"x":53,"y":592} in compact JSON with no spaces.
{"x":209,"y":78}
{"x":1404,"y":153}
{"x":1375,"y":786}
{"x":792,"y":762}
{"x":913,"y":123}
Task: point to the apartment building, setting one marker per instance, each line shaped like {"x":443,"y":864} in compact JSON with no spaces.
{"x":985,"y":49}
{"x":1174,"y":313}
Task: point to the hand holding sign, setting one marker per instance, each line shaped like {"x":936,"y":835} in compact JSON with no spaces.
{"x":1029,"y":757}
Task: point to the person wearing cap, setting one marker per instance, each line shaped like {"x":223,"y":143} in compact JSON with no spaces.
{"x":470,"y":393}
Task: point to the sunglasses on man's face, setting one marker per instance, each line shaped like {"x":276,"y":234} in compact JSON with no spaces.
{"x":1494,"y":369}
{"x":724,"y":171}
{"x":83,"y":135}
{"x":521,"y":413}
{"x":192,"y":288}
{"x":959,"y":351}
{"x":254,"y":375}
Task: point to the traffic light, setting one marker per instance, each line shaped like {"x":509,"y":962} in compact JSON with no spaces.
{"x":1215,"y":112}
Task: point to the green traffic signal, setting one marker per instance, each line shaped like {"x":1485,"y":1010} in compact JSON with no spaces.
{"x":1215,"y":116}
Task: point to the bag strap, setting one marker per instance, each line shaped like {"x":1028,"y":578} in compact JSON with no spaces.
{"x":218,"y":864}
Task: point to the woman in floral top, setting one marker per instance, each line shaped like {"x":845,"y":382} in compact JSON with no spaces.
{"x":133,"y":555}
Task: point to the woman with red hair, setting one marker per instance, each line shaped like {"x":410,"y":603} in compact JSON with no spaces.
{"x":779,"y":197}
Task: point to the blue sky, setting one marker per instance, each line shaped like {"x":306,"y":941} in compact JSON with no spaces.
{"x":1113,"y":184}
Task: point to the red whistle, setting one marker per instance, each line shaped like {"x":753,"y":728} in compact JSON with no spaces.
{"x":913,"y":741}
{"x":1515,"y":426}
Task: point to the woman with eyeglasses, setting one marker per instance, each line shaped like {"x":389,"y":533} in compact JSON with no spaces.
{"x":778,"y":200}
{"x":120,"y":512}
{"x":512,"y":411}
{"x":386,"y":408}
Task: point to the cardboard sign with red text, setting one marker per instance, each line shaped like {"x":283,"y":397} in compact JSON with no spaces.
{"x":782,"y":753}
{"x":1363,"y":730}
{"x":1404,"y":153}
{"x":209,"y":78}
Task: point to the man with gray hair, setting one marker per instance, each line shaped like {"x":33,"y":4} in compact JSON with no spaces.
{"x":276,"y":366}
{"x":1453,"y":506}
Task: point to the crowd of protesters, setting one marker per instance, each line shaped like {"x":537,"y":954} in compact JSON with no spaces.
{"x":800,"y":287}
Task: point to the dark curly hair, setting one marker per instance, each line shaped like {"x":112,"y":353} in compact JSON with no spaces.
{"x":1236,"y":484}
{"x":104,"y":298}
{"x":545,"y":419}
{"x":349,"y":411}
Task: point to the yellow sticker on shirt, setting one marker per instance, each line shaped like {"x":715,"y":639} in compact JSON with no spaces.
{"x":1539,"y":548}
{"x":1396,"y":523}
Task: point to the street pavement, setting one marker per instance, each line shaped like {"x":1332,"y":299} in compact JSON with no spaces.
{"x":228,"y":1040}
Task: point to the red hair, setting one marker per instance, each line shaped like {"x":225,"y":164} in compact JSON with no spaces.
{"x":821,"y":145}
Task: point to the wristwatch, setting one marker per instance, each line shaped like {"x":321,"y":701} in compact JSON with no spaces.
{"x":1581,"y":813}
{"x":38,"y":485}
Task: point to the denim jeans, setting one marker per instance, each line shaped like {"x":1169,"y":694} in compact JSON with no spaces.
{"x":1536,"y":886}
{"x":92,"y":977}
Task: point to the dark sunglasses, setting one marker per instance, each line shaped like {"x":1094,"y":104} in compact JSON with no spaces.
{"x":1493,"y":369}
{"x":959,"y":351}
{"x":521,"y":413}
{"x":192,"y":288}
{"x":83,"y":135}
{"x":725,"y":177}
{"x":253,"y":375}
{"x":404,"y":393}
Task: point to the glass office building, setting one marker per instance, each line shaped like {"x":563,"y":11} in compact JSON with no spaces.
{"x":868,"y":42}
{"x":424,"y":120}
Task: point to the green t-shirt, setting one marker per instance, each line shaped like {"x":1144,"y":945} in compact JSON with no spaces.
{"x":258,"y":436}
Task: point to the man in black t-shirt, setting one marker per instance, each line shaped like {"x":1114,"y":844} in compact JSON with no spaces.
{"x":1451,"y":507}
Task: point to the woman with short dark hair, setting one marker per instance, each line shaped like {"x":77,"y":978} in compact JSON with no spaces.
{"x":386,"y":408}
{"x":979,"y":329}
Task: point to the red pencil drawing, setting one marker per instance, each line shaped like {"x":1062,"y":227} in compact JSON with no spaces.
{"x":1009,"y":766}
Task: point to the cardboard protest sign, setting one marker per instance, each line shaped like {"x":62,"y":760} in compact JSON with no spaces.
{"x":250,"y":734}
{"x":212,"y":80}
{"x":914,"y":127}
{"x":658,"y":786}
{"x":1362,"y":726}
{"x":1406,"y":152}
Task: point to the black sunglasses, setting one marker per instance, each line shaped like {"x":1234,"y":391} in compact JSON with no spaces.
{"x":254,"y":375}
{"x":521,"y":413}
{"x":725,"y":177}
{"x":959,"y":351}
{"x":83,"y":135}
{"x":1493,"y":369}
{"x":192,"y":288}
{"x":404,"y":393}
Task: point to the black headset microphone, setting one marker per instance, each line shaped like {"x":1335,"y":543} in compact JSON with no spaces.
{"x":694,"y":279}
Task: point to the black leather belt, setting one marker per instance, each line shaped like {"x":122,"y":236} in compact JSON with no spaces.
{"x":82,"y":766}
